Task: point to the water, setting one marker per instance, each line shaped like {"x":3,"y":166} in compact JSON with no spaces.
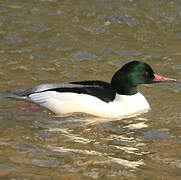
{"x":56,"y":41}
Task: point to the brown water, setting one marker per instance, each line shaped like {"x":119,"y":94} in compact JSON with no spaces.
{"x":51,"y":41}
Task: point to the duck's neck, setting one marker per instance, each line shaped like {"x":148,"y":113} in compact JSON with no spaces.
{"x":125,"y":89}
{"x":122,"y":85}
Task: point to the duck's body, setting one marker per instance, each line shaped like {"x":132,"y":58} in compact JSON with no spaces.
{"x":108,"y":100}
{"x":68,"y":102}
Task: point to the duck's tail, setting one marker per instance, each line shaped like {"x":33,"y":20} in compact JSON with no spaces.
{"x":20,"y":93}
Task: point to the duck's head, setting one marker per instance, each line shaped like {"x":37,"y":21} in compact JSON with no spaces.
{"x":132,"y":74}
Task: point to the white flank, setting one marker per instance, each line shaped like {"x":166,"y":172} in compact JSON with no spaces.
{"x":61,"y":103}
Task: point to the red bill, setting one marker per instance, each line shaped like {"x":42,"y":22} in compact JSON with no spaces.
{"x":163,"y":79}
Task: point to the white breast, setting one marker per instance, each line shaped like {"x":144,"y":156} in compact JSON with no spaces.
{"x":130,"y":104}
{"x":61,"y":103}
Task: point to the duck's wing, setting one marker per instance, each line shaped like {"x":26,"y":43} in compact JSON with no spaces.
{"x":99,"y":89}
{"x":24,"y":93}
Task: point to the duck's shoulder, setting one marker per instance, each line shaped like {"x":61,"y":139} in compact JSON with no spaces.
{"x":99,"y":89}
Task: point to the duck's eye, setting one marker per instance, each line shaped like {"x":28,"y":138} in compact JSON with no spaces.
{"x":146,"y":74}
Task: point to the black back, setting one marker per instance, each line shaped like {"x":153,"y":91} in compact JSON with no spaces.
{"x":99,"y":89}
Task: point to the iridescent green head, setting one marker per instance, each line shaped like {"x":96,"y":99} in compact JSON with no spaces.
{"x":132,"y":74}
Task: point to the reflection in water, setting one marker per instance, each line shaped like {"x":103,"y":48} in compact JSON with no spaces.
{"x":84,"y":145}
{"x":53,"y":41}
{"x":107,"y":159}
{"x":128,"y":145}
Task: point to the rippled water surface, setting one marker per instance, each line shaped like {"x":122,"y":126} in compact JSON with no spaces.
{"x":52,"y":41}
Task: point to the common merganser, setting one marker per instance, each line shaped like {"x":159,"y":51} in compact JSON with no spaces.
{"x":109,"y":100}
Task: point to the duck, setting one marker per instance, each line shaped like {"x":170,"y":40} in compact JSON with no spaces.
{"x":119,"y":98}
